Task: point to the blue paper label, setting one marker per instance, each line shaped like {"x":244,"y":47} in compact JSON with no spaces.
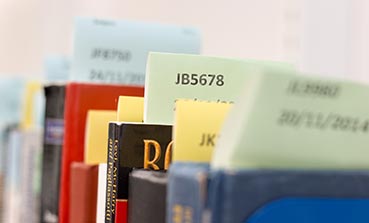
{"x":115,"y":51}
{"x":54,"y":132}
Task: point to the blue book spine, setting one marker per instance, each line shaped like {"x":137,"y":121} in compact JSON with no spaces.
{"x":187,"y":192}
{"x":250,"y":196}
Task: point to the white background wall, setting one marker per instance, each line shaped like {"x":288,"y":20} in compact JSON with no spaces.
{"x":31,"y":29}
{"x":335,"y":38}
{"x":322,"y":36}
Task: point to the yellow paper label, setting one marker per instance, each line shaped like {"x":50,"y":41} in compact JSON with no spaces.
{"x":33,"y":89}
{"x":130,"y":109}
{"x":196,"y":129}
{"x":97,"y":130}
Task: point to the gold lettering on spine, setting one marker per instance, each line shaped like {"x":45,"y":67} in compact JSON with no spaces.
{"x":177,"y":213}
{"x":188,"y":215}
{"x":151,"y":164}
{"x":115,"y":177}
{"x":182,"y":214}
{"x":109,"y":181}
{"x":168,"y":155}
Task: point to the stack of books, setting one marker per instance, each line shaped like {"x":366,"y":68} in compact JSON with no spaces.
{"x":140,"y":128}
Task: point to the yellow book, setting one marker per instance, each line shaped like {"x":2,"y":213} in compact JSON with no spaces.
{"x":130,"y":109}
{"x":32,"y":105}
{"x":96,"y":140}
{"x":196,"y":128}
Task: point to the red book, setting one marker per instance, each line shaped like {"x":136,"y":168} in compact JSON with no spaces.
{"x":79,"y":98}
{"x":121,"y":211}
{"x":83,"y":192}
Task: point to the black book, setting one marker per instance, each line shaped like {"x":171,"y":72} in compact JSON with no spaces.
{"x":132,"y":145}
{"x":147,"y":196}
{"x":52,"y":150}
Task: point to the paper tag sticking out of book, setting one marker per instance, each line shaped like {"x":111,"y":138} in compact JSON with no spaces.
{"x":112,"y":51}
{"x":33,"y":105}
{"x":196,"y":129}
{"x":97,"y":125}
{"x":11,"y":105}
{"x":295,"y":121}
{"x":173,"y":76}
{"x":130,"y":109}
{"x":56,"y":68}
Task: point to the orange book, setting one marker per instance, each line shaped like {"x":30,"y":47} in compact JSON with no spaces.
{"x":79,"y":98}
{"x":83,"y":192}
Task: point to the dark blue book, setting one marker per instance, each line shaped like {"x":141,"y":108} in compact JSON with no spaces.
{"x":271,"y":196}
{"x":289,"y":196}
{"x":186,"y":191}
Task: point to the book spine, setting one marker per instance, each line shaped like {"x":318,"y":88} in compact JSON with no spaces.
{"x":101,"y":193}
{"x":216,"y":199}
{"x":31,"y":155}
{"x":187,"y":192}
{"x":83,"y":192}
{"x":52,"y":150}
{"x":121,"y":211}
{"x":70,"y":136}
{"x":121,"y":214}
{"x":147,"y":196}
{"x":111,"y":174}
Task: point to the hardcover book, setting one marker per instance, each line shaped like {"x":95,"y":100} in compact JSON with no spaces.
{"x":187,"y":192}
{"x":9,"y":114}
{"x":115,"y":51}
{"x":178,"y":76}
{"x":30,"y":151}
{"x":132,"y":145}
{"x":296,"y":121}
{"x":101,"y":194}
{"x":30,"y":169}
{"x":147,"y":196}
{"x":130,"y":109}
{"x":196,"y":129}
{"x":78,"y":100}
{"x":12,"y":187}
{"x":52,"y":152}
{"x":83,"y":199}
{"x":97,"y":127}
{"x":6,"y":132}
{"x":289,"y":196}
{"x":197,"y":194}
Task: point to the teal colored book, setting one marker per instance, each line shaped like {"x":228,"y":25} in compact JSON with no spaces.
{"x":294,"y":121}
{"x":178,"y":76}
{"x":115,"y":51}
{"x":12,"y":185}
{"x":10,"y":112}
{"x":6,"y":141}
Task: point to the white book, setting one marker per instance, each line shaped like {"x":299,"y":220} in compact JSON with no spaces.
{"x":29,"y":178}
{"x":101,"y":193}
{"x":12,"y":179}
